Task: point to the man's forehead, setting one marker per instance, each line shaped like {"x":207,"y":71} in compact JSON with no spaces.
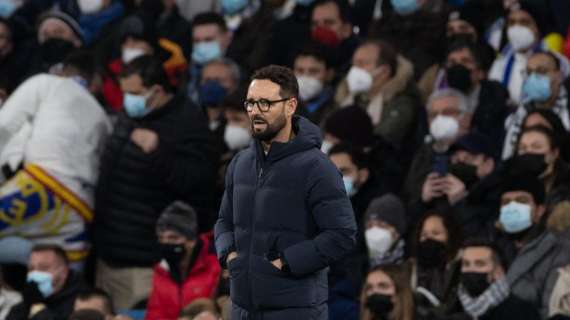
{"x":516,"y":194}
{"x":446,"y":103}
{"x":541,"y":60}
{"x":263,"y":88}
{"x":210,"y":29}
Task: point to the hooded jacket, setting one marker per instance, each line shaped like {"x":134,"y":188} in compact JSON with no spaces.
{"x":169,"y":297}
{"x":289,"y":204}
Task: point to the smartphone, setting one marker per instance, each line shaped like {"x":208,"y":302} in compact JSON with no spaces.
{"x":440,"y":163}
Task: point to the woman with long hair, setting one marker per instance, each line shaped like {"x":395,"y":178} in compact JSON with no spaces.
{"x":387,"y":295}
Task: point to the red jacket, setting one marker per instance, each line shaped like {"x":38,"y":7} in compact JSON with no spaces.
{"x":168,"y":297}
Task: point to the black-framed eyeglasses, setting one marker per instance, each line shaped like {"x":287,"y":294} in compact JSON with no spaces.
{"x":262,"y":104}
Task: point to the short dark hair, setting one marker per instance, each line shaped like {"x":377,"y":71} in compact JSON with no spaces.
{"x":210,"y":18}
{"x":552,"y":56}
{"x":283,"y":76}
{"x":96,"y":293}
{"x":357,"y":155}
{"x":150,"y":70}
{"x":496,"y":252}
{"x":387,"y":54}
{"x":87,"y":314}
{"x":83,"y":62}
{"x":317,"y":51}
{"x":474,"y":49}
{"x":57,"y":250}
{"x":344,"y":9}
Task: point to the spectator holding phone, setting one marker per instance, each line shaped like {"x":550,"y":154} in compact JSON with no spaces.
{"x":449,"y":118}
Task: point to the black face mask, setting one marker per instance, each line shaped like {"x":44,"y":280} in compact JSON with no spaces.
{"x":475,"y":283}
{"x":54,"y":51}
{"x":173,"y":254}
{"x":467,"y":173}
{"x":431,"y":254}
{"x":527,"y":164}
{"x":459,"y":77}
{"x":380,"y":305}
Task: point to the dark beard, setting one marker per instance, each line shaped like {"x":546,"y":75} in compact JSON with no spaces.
{"x":271,"y":129}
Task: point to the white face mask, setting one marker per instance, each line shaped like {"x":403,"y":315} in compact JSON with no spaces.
{"x":236,"y":137}
{"x":359,"y":80}
{"x":520,"y":37}
{"x":130,"y":54}
{"x":90,"y":6}
{"x":326,"y":147}
{"x":309,"y":87}
{"x":378,"y":240}
{"x":444,"y":128}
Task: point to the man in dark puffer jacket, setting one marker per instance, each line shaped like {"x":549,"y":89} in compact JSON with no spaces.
{"x":285,"y":215}
{"x":158,"y":153}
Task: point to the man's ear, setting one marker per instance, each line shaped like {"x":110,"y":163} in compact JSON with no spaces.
{"x":363,"y":175}
{"x":539,"y":212}
{"x":329,"y":75}
{"x":291,"y":107}
{"x":345,"y":31}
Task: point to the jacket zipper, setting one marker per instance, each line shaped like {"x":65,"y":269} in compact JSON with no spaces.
{"x":257,"y":185}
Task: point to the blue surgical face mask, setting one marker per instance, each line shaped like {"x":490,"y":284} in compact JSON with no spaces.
{"x":44,"y":280}
{"x":135,"y":105}
{"x":206,"y":51}
{"x":515,"y":217}
{"x":405,"y":7}
{"x":7,"y":7}
{"x":536,"y":88}
{"x":349,"y":186}
{"x":233,"y":6}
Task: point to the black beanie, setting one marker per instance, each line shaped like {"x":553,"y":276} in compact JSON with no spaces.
{"x":390,"y":209}
{"x":529,"y":184}
{"x":179,"y":217}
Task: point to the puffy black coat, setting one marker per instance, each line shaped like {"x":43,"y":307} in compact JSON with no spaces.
{"x":134,"y":187}
{"x":288,"y":204}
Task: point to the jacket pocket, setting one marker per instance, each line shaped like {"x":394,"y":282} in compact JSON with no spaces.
{"x":273,"y":288}
{"x":239,"y":287}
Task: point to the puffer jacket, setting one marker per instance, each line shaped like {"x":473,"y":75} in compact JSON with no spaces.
{"x":135,"y":187}
{"x":289,"y":204}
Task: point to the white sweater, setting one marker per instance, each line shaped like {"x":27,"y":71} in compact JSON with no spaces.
{"x":55,"y":123}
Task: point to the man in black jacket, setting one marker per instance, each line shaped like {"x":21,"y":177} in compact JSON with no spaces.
{"x":51,"y":286}
{"x":158,"y":153}
{"x":285,"y":215}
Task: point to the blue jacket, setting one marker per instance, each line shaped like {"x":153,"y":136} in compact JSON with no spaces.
{"x":289,"y":204}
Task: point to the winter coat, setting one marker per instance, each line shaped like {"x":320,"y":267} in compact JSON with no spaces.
{"x":533,"y":273}
{"x":169,"y":297}
{"x":135,"y":187}
{"x":59,"y":306}
{"x":288,"y":204}
{"x":393,"y":109}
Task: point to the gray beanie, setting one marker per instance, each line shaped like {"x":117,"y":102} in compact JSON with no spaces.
{"x":390,"y":209}
{"x":179,"y":217}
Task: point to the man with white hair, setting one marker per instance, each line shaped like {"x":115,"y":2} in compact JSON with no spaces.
{"x":449,"y":117}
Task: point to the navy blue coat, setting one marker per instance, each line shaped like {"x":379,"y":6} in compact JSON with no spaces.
{"x":289,"y":204}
